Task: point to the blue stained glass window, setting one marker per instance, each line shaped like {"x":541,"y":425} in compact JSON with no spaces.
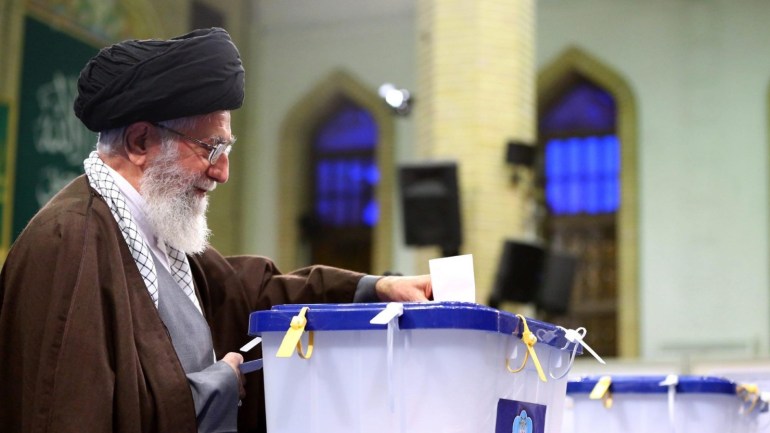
{"x":349,"y":128}
{"x":584,"y":107}
{"x":583,"y":174}
{"x":371,"y":213}
{"x":582,"y":152}
{"x":346,"y":173}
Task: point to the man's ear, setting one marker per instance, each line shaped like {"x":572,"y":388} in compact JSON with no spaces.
{"x":138,"y":139}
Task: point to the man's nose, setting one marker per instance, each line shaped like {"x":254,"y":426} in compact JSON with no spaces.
{"x":220,"y":171}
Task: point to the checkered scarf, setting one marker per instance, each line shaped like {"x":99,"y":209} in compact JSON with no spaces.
{"x":101,"y":180}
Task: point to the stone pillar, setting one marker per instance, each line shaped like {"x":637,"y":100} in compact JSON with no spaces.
{"x":11,"y":22}
{"x":475,"y":91}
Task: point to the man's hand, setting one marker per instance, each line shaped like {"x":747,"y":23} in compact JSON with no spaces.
{"x":234,"y":360}
{"x":404,"y":289}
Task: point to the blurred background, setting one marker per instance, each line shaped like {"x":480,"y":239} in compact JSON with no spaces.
{"x":605,"y":161}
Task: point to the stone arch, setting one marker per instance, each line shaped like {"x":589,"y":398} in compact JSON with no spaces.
{"x":552,"y":79}
{"x":294,"y":135}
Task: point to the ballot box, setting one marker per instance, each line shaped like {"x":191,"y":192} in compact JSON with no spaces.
{"x":752,"y":374}
{"x":419,"y":368}
{"x":661,"y":404}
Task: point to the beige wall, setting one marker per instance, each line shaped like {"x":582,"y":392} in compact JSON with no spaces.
{"x":700,"y":79}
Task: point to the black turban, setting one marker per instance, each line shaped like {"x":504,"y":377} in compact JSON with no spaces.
{"x":155,"y":80}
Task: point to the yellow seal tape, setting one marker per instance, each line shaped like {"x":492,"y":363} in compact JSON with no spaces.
{"x":749,"y":393}
{"x":601,"y":391}
{"x":293,"y":337}
{"x":529,"y":339}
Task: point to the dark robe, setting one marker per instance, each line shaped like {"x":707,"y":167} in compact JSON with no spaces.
{"x":82,"y":347}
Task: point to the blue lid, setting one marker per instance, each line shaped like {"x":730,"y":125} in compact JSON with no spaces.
{"x":651,"y":385}
{"x":418,"y":315}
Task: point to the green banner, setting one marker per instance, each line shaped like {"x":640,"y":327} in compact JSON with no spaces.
{"x":52,"y":142}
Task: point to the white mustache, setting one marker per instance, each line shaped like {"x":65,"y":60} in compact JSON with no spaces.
{"x":207,"y":186}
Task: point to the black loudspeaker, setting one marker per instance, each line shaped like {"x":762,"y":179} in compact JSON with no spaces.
{"x":519,"y":153}
{"x":556,"y":287}
{"x":430,"y":201}
{"x":519,"y":273}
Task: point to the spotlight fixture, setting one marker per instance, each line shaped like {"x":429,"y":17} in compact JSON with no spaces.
{"x":397,"y":99}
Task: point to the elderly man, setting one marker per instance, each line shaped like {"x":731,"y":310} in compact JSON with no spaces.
{"x":113,"y":308}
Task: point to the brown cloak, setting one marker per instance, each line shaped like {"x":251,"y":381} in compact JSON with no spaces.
{"x":82,"y":347}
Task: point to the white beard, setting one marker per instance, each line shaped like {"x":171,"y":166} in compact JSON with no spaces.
{"x":174,"y":209}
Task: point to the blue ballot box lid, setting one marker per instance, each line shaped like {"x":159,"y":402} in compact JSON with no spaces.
{"x":418,"y":315}
{"x":651,"y":384}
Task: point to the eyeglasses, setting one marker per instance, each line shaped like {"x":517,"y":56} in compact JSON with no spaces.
{"x":215,"y":150}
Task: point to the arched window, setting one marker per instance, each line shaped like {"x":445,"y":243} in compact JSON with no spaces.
{"x":346,"y":172}
{"x":336,"y":177}
{"x":582,"y":152}
{"x":344,"y":181}
{"x":581,"y":176}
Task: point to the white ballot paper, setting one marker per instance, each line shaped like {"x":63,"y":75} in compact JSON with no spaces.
{"x":452,"y":278}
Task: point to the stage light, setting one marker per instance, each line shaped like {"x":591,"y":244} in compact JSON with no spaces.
{"x":400,"y":100}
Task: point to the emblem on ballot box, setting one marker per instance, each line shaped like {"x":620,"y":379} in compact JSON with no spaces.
{"x":520,"y":417}
{"x":522,"y":423}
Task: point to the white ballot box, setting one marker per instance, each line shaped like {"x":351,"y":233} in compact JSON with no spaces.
{"x":449,"y":367}
{"x":661,"y":404}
